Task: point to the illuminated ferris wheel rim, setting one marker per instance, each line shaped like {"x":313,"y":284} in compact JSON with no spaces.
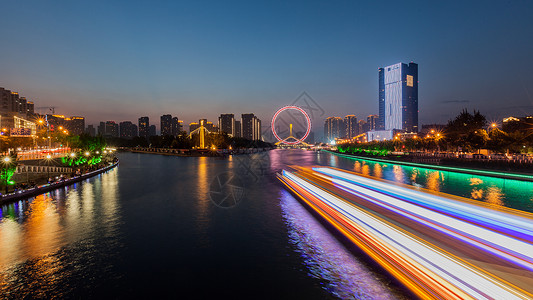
{"x":297,"y":140}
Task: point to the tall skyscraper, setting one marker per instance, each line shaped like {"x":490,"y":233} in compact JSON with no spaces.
{"x":251,"y":127}
{"x":111,"y":129}
{"x":176,"y":126}
{"x":76,"y":125}
{"x":144,"y":127}
{"x":398,"y":97}
{"x":238,"y":129}
{"x":127,"y":130}
{"x":101,"y":128}
{"x":372,"y":121}
{"x":333,"y":128}
{"x":363,"y":126}
{"x":90,"y":130}
{"x":226,"y":123}
{"x":351,"y":127}
{"x":166,"y":125}
{"x":152,"y":131}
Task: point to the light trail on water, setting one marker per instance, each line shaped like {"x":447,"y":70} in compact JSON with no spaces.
{"x":426,"y":268}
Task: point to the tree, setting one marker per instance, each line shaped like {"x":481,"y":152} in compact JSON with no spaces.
{"x":461,"y":131}
{"x":499,"y":141}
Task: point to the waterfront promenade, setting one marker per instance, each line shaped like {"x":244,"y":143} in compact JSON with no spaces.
{"x":509,"y":169}
{"x":54,"y":184}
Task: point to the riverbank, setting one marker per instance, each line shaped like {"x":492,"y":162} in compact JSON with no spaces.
{"x":196,"y":152}
{"x":30,"y":192}
{"x":446,"y":165}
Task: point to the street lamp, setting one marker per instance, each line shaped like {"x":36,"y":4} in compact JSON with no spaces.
{"x":6,"y":161}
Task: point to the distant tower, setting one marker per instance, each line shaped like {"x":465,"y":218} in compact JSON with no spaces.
{"x":372,"y":121}
{"x":398,"y":97}
{"x":166,"y":125}
{"x":351,"y":126}
{"x":144,"y":127}
{"x":333,"y":128}
{"x":226,"y":123}
{"x":251,"y":127}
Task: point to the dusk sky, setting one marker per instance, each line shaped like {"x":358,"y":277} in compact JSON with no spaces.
{"x":119,"y":60}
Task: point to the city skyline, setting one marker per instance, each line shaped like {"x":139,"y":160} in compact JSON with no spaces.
{"x":183,"y":61}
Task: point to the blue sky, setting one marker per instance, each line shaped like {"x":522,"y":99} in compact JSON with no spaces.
{"x":119,"y":60}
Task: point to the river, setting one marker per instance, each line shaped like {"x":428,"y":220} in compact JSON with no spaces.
{"x":164,"y":226}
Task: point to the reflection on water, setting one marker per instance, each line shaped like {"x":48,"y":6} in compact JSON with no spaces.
{"x":475,"y":181}
{"x":326,"y":258}
{"x":365,"y":170}
{"x":477,"y":194}
{"x":357,"y":167}
{"x":494,"y":196}
{"x":414,"y":175}
{"x":378,"y":170}
{"x":43,"y":231}
{"x":434,"y":181}
{"x":36,"y":235}
{"x":398,"y":173}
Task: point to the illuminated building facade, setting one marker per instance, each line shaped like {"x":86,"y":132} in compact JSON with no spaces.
{"x":176,"y":126}
{"x":250,"y":127}
{"x":127,"y":130}
{"x":75,"y":125}
{"x":111,"y":129}
{"x":166,"y":125}
{"x":226,"y":123}
{"x":238,"y":129}
{"x":144,"y":127}
{"x":398,"y":97}
{"x":372,"y":121}
{"x":333,"y":128}
{"x":351,"y":126}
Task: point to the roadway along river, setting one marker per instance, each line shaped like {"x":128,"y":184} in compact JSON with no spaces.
{"x":202,"y":227}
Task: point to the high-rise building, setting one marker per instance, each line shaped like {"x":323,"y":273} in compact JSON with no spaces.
{"x":372,"y":121}
{"x":333,"y":128}
{"x":351,"y":126}
{"x":101,"y":129}
{"x":111,"y":129}
{"x":257,"y":129}
{"x":31,"y":108}
{"x":250,"y":127}
{"x":398,"y":97}
{"x":152,"y":131}
{"x":144,"y":127}
{"x":90,"y":130}
{"x":75,"y":125}
{"x":176,"y":126}
{"x":363,"y":126}
{"x":166,"y":125}
{"x":127,"y":130}
{"x":238,"y":129}
{"x":226,"y":123}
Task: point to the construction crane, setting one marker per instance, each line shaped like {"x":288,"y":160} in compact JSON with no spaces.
{"x":51,"y":108}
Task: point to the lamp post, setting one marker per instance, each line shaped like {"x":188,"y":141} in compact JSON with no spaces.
{"x":6,"y":160}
